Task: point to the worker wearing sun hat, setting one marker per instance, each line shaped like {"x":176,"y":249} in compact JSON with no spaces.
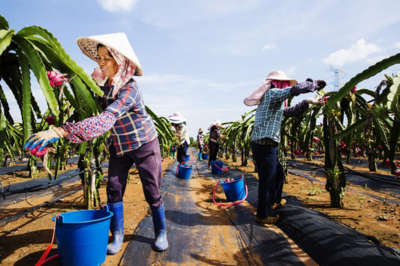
{"x":200,"y":143}
{"x":213,"y":145}
{"x":271,"y":99}
{"x":133,"y":139}
{"x":178,"y":123}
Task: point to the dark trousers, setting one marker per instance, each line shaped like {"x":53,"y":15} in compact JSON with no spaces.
{"x":182,"y":152}
{"x":213,"y":147}
{"x":147,"y":159}
{"x":270,"y":176}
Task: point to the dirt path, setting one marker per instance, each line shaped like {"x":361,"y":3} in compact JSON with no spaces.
{"x":24,"y":240}
{"x":369,"y":212}
{"x":201,"y":233}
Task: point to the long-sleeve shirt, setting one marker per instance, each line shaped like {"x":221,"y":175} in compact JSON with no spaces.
{"x":200,"y":140}
{"x":125,"y":115}
{"x":184,"y":135}
{"x":214,"y":134}
{"x":269,"y":115}
{"x":296,"y":110}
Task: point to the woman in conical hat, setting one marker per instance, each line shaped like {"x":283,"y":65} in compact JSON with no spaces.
{"x":200,"y":143}
{"x":133,"y":137}
{"x":271,"y":99}
{"x":213,"y":145}
{"x":178,"y":123}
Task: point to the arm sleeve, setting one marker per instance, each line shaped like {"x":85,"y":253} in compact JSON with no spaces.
{"x":279,"y":94}
{"x":218,"y":133}
{"x":296,"y":110}
{"x":304,"y":87}
{"x":89,"y":128}
{"x":182,"y":131}
{"x":128,"y":96}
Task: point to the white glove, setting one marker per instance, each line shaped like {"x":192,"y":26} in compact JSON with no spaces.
{"x":317,"y":100}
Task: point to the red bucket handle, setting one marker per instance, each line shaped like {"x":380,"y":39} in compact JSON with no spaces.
{"x":42,"y":260}
{"x":233,"y":203}
{"x":222,"y":169}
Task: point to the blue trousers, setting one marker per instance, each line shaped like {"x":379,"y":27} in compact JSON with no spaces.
{"x":270,"y":176}
{"x":182,"y":152}
{"x":200,"y":151}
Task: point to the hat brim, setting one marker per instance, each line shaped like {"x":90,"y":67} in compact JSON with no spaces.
{"x":177,"y":121}
{"x":292,"y":81}
{"x":89,"y":48}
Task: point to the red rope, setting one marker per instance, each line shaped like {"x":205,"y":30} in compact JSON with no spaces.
{"x":50,"y":259}
{"x":233,"y":203}
{"x":46,"y":252}
{"x":222,"y":169}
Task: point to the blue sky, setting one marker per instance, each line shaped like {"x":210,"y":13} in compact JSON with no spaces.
{"x":203,"y":57}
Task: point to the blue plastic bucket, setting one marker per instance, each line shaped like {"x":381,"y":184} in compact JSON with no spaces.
{"x":234,"y":190}
{"x":204,"y":156}
{"x":82,"y":237}
{"x":216,"y":167}
{"x":184,"y":171}
{"x":187,"y":158}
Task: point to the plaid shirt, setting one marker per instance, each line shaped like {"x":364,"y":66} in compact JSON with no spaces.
{"x":200,"y":141}
{"x":134,"y":127}
{"x":125,"y":116}
{"x":269,"y":115}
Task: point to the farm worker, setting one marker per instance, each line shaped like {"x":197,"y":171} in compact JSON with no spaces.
{"x":271,"y":99}
{"x":172,"y":151}
{"x":213,"y":140}
{"x":200,"y":143}
{"x":178,"y":123}
{"x":133,"y":137}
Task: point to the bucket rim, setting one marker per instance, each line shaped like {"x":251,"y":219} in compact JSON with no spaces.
{"x":110,"y":214}
{"x":185,"y":166}
{"x":237,"y":179}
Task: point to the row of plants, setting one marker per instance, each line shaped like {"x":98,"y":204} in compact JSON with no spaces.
{"x":70,"y":97}
{"x":351,"y":127}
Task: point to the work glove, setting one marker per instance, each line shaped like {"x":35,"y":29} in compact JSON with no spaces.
{"x":43,"y":139}
{"x":307,"y":86}
{"x":320,"y":84}
{"x":316,"y":100}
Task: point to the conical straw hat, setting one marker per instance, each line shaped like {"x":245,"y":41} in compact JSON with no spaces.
{"x":116,"y":41}
{"x":176,"y":118}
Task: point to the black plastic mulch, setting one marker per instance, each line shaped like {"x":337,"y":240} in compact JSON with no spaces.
{"x":192,"y":236}
{"x":189,"y":233}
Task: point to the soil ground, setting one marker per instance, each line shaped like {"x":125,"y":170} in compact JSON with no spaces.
{"x":365,"y":214}
{"x":23,"y":241}
{"x":201,"y":233}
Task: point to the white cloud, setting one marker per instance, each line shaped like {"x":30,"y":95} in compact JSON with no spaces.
{"x":397,"y":45}
{"x":358,"y":51}
{"x":269,"y":46}
{"x":309,"y":60}
{"x":376,"y":59}
{"x":117,"y":5}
